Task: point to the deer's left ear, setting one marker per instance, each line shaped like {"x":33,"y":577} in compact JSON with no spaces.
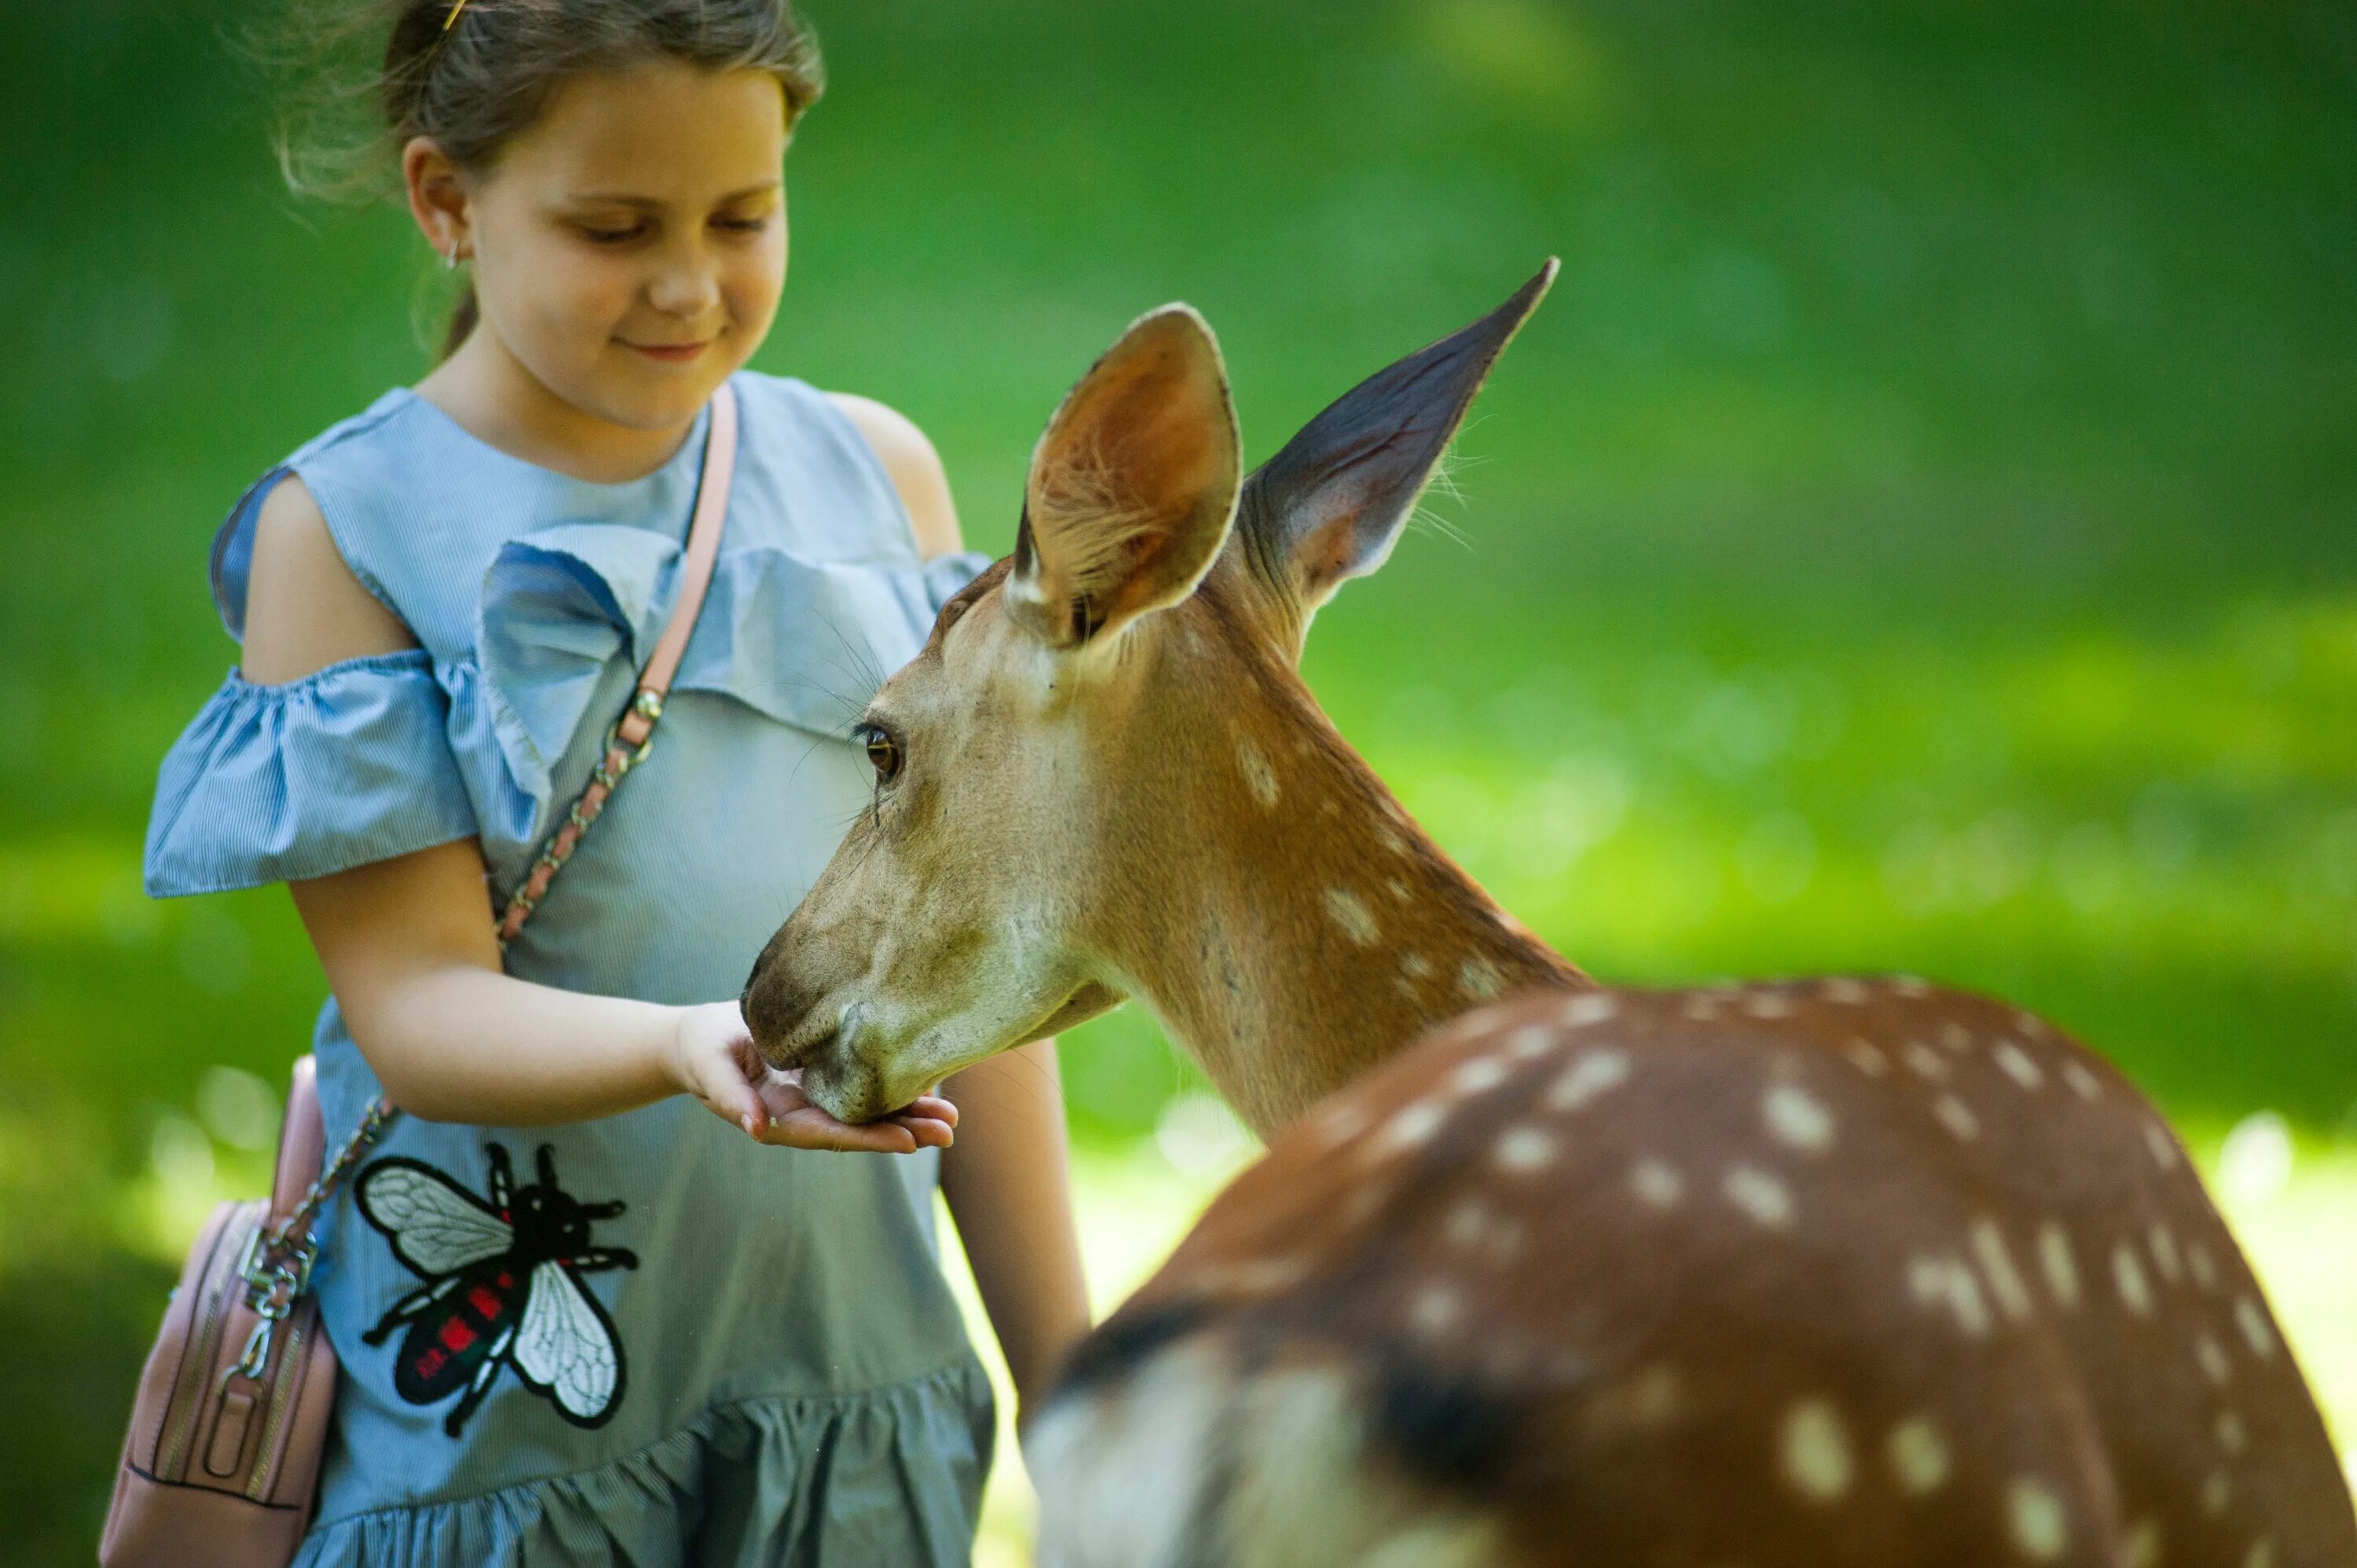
{"x":1331,"y":505}
{"x":1132,"y":487}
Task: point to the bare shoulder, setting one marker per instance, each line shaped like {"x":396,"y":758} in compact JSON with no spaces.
{"x":914,"y":469}
{"x":304,"y":608}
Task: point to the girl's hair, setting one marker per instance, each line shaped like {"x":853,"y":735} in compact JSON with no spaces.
{"x":475,"y":85}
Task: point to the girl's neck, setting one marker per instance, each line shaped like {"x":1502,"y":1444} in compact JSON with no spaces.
{"x":495,"y":399}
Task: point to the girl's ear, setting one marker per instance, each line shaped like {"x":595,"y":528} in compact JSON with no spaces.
{"x":438,"y":197}
{"x":1132,"y":487}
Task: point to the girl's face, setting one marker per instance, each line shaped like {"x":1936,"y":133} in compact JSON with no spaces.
{"x":629,"y":247}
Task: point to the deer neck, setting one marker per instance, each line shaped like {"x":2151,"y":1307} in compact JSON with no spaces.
{"x":1286,"y":920}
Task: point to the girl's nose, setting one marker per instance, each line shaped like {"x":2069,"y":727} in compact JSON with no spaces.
{"x":687,"y":288}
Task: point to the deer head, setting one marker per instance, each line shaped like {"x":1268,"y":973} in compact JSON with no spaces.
{"x":1103,"y":776}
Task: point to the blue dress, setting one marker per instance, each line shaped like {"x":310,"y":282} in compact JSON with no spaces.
{"x":644,"y":1339}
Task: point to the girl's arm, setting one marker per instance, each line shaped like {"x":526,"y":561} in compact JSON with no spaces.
{"x":408,"y":947}
{"x":1007,"y":1180}
{"x":1008,"y":1188}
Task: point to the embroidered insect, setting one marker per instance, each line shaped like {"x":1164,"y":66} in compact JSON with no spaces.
{"x":502,"y":1288}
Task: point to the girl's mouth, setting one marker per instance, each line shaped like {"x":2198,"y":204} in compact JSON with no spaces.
{"x":672,"y":353}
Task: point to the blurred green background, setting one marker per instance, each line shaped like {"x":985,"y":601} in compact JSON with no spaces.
{"x":1920,"y":531}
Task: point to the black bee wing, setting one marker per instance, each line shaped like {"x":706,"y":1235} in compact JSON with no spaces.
{"x":566,"y":1346}
{"x":436,"y":1227}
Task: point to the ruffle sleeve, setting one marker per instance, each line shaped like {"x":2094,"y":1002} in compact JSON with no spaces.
{"x":268,"y":783}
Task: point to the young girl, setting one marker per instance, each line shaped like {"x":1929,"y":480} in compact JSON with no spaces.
{"x":442,"y":602}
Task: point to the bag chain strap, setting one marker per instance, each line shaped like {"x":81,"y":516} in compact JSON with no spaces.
{"x":278,"y":1264}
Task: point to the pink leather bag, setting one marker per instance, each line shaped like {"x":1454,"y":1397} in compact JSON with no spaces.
{"x":220,"y":1467}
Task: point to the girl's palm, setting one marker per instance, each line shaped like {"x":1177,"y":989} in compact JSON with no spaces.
{"x":716,"y":1062}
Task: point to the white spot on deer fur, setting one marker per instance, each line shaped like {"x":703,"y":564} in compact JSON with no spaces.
{"x":1413,"y":1123}
{"x":1595,"y":1073}
{"x":2217,"y":1491}
{"x":1415,"y":966}
{"x":1946,"y":1283}
{"x":1344,"y":1120}
{"x":2015,"y":1063}
{"x":1467,"y":1223}
{"x":2204,"y":1270}
{"x":1919,"y":1457}
{"x":1259,"y":776}
{"x":1479,"y":978}
{"x":1655,"y":1183}
{"x":1956,"y":1036}
{"x":2262,"y":1554}
{"x":1589,"y":1007}
{"x":2135,"y":1293}
{"x":1794,"y":1116}
{"x":2140,"y":1545}
{"x":2232,"y":1435}
{"x":1924,"y":1062}
{"x":1701,"y":1007}
{"x":2212,"y":1357}
{"x":1352,"y":916}
{"x":2004,"y":1280}
{"x":1530,"y":1041}
{"x":1436,"y":1310}
{"x":1768,"y":1004}
{"x":1867,"y":1057}
{"x":2164,"y":1251}
{"x":2034,"y":1517}
{"x":1957,"y":1118}
{"x":1813,"y":1450}
{"x":1476,"y":1075}
{"x":2083,"y":1083}
{"x":2254,"y":1325}
{"x":2061,"y":1268}
{"x":2163,"y":1147}
{"x":1842,"y":990}
{"x":1910,"y":985}
{"x":1767,"y":1201}
{"x":1525,"y":1149}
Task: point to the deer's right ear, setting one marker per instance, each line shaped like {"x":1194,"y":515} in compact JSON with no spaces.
{"x":1132,"y":487}
{"x":1329,"y":506}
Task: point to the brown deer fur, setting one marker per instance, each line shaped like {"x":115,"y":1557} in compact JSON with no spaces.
{"x":1826,"y":1272}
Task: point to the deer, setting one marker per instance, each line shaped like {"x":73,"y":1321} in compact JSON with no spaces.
{"x":1533,"y":1270}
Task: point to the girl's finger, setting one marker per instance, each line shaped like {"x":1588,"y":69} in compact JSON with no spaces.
{"x":814,"y":1129}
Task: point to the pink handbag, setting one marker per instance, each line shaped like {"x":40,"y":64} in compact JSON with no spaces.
{"x":220,"y":1467}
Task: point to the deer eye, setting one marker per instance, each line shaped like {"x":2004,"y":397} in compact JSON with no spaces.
{"x":883,"y":750}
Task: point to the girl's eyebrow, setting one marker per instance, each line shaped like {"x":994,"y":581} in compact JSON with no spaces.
{"x":652,"y":204}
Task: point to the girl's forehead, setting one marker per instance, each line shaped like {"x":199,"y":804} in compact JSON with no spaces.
{"x":663,"y":132}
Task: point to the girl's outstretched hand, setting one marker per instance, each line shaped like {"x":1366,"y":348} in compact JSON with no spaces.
{"x":712,"y":1057}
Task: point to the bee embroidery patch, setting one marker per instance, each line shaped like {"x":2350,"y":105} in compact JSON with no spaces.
{"x":502,"y":1288}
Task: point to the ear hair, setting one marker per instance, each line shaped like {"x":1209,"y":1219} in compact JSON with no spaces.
{"x":1132,"y":485}
{"x":1329,"y":506}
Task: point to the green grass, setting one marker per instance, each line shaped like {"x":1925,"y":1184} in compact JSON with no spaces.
{"x":1920,"y":532}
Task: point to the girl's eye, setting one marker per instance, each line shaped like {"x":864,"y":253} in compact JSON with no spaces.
{"x":883,"y":750}
{"x":613,"y":236}
{"x":745,"y":225}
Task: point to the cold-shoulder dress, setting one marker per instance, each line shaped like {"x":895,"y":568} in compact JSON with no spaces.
{"x":789,"y":1378}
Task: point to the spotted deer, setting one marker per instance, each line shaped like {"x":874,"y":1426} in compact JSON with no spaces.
{"x":1534,"y":1271}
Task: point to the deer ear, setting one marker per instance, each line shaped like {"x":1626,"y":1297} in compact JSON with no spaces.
{"x":1331,"y":505}
{"x":1132,"y":487}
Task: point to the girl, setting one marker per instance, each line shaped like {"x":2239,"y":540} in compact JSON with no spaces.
{"x":441,"y":602}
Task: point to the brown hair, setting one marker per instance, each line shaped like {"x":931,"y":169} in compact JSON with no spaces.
{"x":478,"y":83}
